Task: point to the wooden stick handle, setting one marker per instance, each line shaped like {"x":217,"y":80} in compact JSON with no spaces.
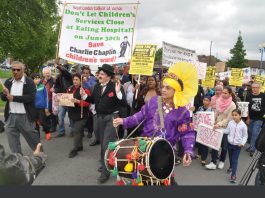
{"x":138,"y":82}
{"x":82,"y":109}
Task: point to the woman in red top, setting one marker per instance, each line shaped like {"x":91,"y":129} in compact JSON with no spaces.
{"x":77,"y":115}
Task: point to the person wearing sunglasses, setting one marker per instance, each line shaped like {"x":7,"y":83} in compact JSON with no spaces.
{"x":19,"y":93}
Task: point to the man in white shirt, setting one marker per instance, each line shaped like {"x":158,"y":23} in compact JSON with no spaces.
{"x":19,"y":91}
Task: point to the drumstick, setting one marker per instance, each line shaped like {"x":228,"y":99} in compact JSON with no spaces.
{"x":2,"y":84}
{"x":116,"y":130}
{"x":81,"y":98}
{"x":138,"y":82}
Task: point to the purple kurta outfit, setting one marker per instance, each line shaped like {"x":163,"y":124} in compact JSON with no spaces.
{"x":175,"y":121}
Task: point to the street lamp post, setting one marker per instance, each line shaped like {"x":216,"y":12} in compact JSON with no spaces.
{"x":262,"y":50}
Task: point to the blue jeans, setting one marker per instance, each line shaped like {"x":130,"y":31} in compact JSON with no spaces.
{"x":233,"y":152}
{"x":254,"y":130}
{"x":61,"y":115}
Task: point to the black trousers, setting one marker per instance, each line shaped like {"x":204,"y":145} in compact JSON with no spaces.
{"x":107,"y":133}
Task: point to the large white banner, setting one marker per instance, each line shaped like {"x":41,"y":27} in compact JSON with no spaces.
{"x":97,"y":34}
{"x":173,"y":54}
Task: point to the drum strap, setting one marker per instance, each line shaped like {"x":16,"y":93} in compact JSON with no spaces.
{"x":161,"y":116}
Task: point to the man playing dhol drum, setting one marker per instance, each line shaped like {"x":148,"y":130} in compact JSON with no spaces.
{"x":178,"y":87}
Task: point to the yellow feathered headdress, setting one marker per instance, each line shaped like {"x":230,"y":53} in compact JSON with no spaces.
{"x":182,"y":77}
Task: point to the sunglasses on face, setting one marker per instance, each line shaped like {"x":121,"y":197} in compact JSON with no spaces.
{"x":18,"y":70}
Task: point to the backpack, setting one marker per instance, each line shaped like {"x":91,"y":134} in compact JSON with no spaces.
{"x":260,"y":142}
{"x":16,"y":169}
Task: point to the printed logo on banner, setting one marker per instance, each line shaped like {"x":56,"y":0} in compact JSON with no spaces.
{"x":97,"y":34}
{"x":209,"y":137}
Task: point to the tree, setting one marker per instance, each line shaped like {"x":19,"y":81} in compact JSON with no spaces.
{"x":29,"y":30}
{"x":159,"y":53}
{"x":238,"y":54}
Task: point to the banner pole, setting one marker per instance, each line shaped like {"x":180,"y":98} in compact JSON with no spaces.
{"x":81,"y":101}
{"x":58,"y":41}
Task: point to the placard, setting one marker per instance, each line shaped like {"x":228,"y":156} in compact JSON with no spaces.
{"x":203,"y":117}
{"x":65,"y":99}
{"x":143,"y":60}
{"x":209,"y":137}
{"x":243,"y":106}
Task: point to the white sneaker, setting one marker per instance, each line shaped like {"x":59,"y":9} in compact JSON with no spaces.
{"x":211,"y":166}
{"x":221,"y":165}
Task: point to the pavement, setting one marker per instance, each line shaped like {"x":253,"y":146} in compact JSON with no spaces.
{"x":82,"y":169}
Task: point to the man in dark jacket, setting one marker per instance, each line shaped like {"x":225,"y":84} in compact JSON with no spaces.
{"x":62,"y":83}
{"x":20,"y":112}
{"x":107,"y":97}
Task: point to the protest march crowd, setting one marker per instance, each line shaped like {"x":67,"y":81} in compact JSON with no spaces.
{"x":144,"y":123}
{"x":107,"y":100}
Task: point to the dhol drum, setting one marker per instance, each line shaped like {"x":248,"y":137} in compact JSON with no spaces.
{"x":141,"y":161}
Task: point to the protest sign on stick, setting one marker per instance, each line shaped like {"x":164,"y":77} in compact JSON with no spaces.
{"x":236,"y":78}
{"x":173,"y":54}
{"x":210,"y":77}
{"x":209,"y":137}
{"x":143,"y":60}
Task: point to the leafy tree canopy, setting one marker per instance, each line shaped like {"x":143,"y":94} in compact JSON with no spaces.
{"x":29,"y":30}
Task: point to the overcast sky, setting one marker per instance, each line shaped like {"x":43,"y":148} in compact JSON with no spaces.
{"x":193,"y":24}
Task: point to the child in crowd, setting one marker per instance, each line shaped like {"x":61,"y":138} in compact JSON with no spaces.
{"x":42,"y":106}
{"x":202,"y":149}
{"x":237,"y":137}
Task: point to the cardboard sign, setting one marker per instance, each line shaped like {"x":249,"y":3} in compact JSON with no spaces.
{"x":209,"y":137}
{"x":243,"y":106}
{"x":203,"y":117}
{"x":143,"y":60}
{"x":65,"y":99}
